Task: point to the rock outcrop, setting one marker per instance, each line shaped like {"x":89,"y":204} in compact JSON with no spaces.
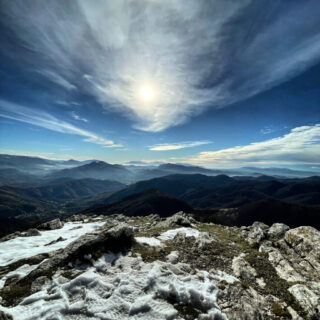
{"x":51,"y":225}
{"x":252,"y":272}
{"x":178,"y":219}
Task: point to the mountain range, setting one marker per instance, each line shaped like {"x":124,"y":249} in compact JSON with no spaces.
{"x":34,"y":190}
{"x":33,"y":170}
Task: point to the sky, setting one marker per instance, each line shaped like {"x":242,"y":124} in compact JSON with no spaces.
{"x":215,"y":83}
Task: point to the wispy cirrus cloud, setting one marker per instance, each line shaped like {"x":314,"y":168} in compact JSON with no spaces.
{"x":77,"y":117}
{"x":58,"y":79}
{"x":177,"y":145}
{"x":44,"y":155}
{"x":193,"y":53}
{"x":271,"y":129}
{"x":45,"y":120}
{"x":300,"y":146}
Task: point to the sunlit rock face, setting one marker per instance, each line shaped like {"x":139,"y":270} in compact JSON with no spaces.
{"x":161,"y":268}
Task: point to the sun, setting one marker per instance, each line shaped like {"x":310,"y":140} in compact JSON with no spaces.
{"x":147,"y":93}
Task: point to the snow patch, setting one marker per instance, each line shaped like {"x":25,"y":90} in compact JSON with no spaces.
{"x":26,"y":247}
{"x":219,"y":275}
{"x":150,"y":241}
{"x":122,"y":287}
{"x":19,"y":273}
{"x":170,"y":234}
{"x":173,"y":257}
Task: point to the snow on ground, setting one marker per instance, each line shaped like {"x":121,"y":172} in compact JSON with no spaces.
{"x":122,"y":287}
{"x":219,"y":275}
{"x":150,"y":241}
{"x":170,"y":234}
{"x":26,"y":247}
{"x":19,"y":273}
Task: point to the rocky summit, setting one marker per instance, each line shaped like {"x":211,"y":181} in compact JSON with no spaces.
{"x":118,"y":267}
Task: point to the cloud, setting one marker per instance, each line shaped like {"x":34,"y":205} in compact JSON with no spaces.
{"x":271,"y":129}
{"x":178,"y":145}
{"x":67,"y":103}
{"x":300,"y":146}
{"x":45,"y":120}
{"x":195,"y":54}
{"x":44,"y":155}
{"x":77,"y":117}
{"x":56,"y":78}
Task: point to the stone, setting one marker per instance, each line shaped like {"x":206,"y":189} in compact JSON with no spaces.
{"x":261,"y":225}
{"x":283,"y":266}
{"x":11,"y":236}
{"x":245,"y":304}
{"x":51,"y":225}
{"x":55,"y":241}
{"x":31,"y":233}
{"x":242,"y":269}
{"x":277,"y":230}
{"x":204,"y":241}
{"x":180,"y":218}
{"x":305,"y":241}
{"x":257,"y":233}
{"x":308,"y":296}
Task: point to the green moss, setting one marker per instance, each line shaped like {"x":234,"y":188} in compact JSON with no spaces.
{"x":274,"y":284}
{"x":259,"y":261}
{"x":280,"y":311}
{"x":149,"y":253}
{"x":245,"y":284}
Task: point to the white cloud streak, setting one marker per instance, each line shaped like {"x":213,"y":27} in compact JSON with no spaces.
{"x":56,"y":78}
{"x":195,"y":54}
{"x":77,"y":117}
{"x":300,"y":146}
{"x":45,"y":120}
{"x":44,"y":155}
{"x":178,"y":145}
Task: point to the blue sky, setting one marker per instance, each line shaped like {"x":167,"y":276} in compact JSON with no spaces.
{"x":233,"y":83}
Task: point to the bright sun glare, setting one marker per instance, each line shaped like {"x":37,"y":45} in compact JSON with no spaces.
{"x":147,"y":93}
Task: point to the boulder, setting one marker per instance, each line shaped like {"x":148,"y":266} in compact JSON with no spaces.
{"x":257,"y":233}
{"x":180,"y":218}
{"x":55,"y":241}
{"x":277,"y":230}
{"x":245,"y":304}
{"x":305,"y":241}
{"x":204,"y":241}
{"x":76,"y":218}
{"x":31,"y":233}
{"x":283,"y":263}
{"x":242,"y":269}
{"x":51,"y":225}
{"x":11,"y":236}
{"x":308,"y":296}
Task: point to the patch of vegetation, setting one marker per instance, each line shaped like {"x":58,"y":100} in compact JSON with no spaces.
{"x":259,"y":261}
{"x":279,"y":310}
{"x":187,"y":312}
{"x":146,"y":229}
{"x":274,"y":284}
{"x":149,"y":253}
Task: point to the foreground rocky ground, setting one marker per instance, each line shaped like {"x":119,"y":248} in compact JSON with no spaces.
{"x":150,"y":268}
